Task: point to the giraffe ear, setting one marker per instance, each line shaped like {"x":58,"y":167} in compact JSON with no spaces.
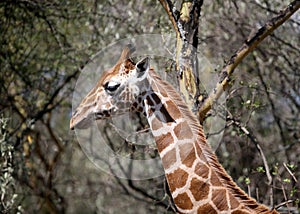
{"x":143,"y":65}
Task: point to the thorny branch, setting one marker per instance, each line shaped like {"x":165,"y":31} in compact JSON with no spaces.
{"x":241,"y":53}
{"x":253,"y":139}
{"x":255,"y":142}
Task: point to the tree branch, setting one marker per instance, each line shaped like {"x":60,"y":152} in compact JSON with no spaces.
{"x":186,"y":51}
{"x":256,"y":143}
{"x":186,"y":24}
{"x":172,"y":13}
{"x":241,"y":53}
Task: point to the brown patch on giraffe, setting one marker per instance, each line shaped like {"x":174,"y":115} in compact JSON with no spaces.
{"x":173,"y":109}
{"x":219,"y":199}
{"x":134,"y":106}
{"x":167,"y":118}
{"x":160,"y":90}
{"x":233,"y":202}
{"x":139,"y":100}
{"x":199,"y":151}
{"x":199,"y":189}
{"x":241,"y":212}
{"x":202,"y":170}
{"x":156,"y":124}
{"x":214,"y":180}
{"x":169,"y":158}
{"x":163,"y":141}
{"x":177,"y":179}
{"x":183,"y":131}
{"x":206,"y":208}
{"x":156,"y":99}
{"x":187,"y":154}
{"x":183,"y":201}
{"x":150,"y":101}
{"x":128,"y":66}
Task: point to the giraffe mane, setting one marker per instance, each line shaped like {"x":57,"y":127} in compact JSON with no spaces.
{"x":200,"y":139}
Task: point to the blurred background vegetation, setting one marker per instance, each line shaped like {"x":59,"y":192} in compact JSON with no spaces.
{"x":44,"y":44}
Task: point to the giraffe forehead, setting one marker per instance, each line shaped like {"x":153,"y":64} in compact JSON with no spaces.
{"x":127,"y":66}
{"x":120,"y":71}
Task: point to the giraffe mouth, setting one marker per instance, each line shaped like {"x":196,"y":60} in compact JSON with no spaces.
{"x":86,"y":122}
{"x":81,"y":124}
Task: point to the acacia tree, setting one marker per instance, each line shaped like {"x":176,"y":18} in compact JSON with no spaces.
{"x":44,"y":44}
{"x":186,"y":24}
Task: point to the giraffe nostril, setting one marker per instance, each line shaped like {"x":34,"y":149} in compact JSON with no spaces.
{"x":107,"y":113}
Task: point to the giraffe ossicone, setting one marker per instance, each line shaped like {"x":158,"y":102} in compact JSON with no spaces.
{"x":197,"y":181}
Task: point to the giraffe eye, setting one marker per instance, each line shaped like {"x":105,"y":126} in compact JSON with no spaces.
{"x":111,"y":87}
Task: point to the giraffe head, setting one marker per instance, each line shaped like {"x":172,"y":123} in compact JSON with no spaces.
{"x":115,"y":93}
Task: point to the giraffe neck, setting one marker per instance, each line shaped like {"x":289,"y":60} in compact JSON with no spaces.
{"x":197,"y":181}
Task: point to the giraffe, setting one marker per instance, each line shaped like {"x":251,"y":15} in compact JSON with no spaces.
{"x":197,"y":181}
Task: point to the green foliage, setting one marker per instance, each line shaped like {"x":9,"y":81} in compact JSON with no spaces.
{"x":247,"y":181}
{"x":260,"y":169}
{"x":275,"y":169}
